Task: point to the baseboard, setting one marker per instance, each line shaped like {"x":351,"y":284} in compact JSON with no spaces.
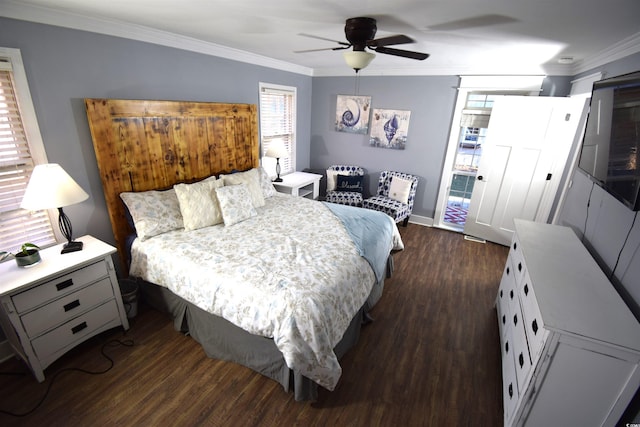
{"x":421,"y":220}
{"x":5,"y":351}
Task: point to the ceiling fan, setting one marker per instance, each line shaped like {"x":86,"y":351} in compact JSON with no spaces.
{"x":360,"y":33}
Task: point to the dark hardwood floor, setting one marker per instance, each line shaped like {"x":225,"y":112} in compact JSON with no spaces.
{"x":430,"y":358}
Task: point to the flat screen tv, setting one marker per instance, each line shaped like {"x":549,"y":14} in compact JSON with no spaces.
{"x":611,"y":145}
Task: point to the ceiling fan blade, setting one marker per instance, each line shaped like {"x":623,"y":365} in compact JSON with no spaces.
{"x":386,"y":41}
{"x":321,"y":49}
{"x":325,"y":39}
{"x":404,"y":53}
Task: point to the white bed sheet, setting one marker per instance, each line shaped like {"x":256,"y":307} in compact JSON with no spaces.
{"x":291,"y":273}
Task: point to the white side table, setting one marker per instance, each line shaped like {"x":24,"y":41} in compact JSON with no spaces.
{"x":301,"y":184}
{"x":49,"y":308}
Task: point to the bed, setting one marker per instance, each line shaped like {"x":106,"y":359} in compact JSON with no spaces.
{"x":277,"y":283}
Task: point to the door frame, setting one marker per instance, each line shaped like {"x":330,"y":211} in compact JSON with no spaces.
{"x":498,"y":85}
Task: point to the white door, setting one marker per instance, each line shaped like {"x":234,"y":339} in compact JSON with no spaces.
{"x":526,"y":150}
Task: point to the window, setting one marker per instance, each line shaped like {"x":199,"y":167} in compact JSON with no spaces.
{"x":278,"y":121}
{"x":21,"y":149}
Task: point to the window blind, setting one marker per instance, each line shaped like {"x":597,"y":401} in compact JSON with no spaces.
{"x":17,"y":225}
{"x":277,"y":121}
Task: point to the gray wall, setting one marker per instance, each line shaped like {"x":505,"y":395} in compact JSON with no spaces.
{"x":431,"y":101}
{"x":605,"y":224}
{"x":65,"y":66}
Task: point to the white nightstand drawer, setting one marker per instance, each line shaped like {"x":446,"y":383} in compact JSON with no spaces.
{"x":74,"y":330}
{"x":59,"y":286}
{"x":67,"y":307}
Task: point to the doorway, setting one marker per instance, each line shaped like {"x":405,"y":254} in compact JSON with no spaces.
{"x":476,"y":95}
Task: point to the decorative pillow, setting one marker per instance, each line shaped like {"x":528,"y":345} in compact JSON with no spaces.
{"x":352,"y":183}
{"x":153,"y":212}
{"x":268,"y":190}
{"x":235,"y":203}
{"x":399,"y":189}
{"x":331,"y":179}
{"x":199,"y":203}
{"x":251,"y":179}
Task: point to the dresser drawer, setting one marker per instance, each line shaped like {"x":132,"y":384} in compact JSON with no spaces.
{"x":510,"y":394}
{"x":503,"y":299}
{"x":521,"y":356}
{"x":59,"y":286}
{"x":67,"y":307}
{"x":534,"y":326}
{"x":517,"y":260}
{"x":74,"y":330}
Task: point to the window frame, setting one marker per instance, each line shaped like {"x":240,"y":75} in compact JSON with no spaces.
{"x":269,"y":164}
{"x":22,"y":93}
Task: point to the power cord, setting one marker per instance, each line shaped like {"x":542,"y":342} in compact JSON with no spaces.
{"x":623,"y":246}
{"x":110,"y":343}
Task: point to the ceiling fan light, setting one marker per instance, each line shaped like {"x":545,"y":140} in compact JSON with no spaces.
{"x":358,"y":59}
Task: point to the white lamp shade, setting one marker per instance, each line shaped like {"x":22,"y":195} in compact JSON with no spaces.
{"x":358,"y":59}
{"x":51,"y":187}
{"x":276,"y":149}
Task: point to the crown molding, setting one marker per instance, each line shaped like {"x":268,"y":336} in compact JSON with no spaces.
{"x":43,"y":15}
{"x":75,"y":21}
{"x":622,"y":49}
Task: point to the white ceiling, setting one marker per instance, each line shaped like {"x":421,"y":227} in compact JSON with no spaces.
{"x":462,"y":36}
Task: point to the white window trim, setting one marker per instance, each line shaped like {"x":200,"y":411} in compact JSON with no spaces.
{"x":29,"y":118}
{"x":292,"y":160}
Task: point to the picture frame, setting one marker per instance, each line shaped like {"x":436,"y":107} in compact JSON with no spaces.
{"x":353,"y":113}
{"x":389,"y":128}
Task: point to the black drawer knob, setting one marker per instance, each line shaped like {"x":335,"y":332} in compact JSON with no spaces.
{"x":79,"y":327}
{"x":71,"y":305}
{"x":534,"y":326}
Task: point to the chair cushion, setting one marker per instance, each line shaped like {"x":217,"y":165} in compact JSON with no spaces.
{"x":395,"y":209}
{"x":350,"y":183}
{"x":344,"y":198}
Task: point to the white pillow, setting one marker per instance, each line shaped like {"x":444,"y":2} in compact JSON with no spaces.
{"x":235,"y":203}
{"x":251,"y":179}
{"x":199,"y":203}
{"x":153,"y":212}
{"x":268,"y":190}
{"x":332,"y":177}
{"x":399,"y":189}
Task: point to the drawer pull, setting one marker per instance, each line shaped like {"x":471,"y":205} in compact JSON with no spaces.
{"x":519,"y":266}
{"x":511,"y":390}
{"x":79,"y":327}
{"x":72,"y":305}
{"x":515,"y":320}
{"x":534,"y":326}
{"x":526,"y":289}
{"x":508,"y":271}
{"x":506,"y":347}
{"x":515,"y":246}
{"x":521,"y":360}
{"x":511,"y":294}
{"x":500,"y":293}
{"x":63,"y":285}
{"x":504,"y":319}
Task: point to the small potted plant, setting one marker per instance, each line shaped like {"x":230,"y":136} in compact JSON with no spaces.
{"x":28,"y":255}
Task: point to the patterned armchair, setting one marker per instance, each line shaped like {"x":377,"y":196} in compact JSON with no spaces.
{"x":345,"y":191}
{"x":396,"y":191}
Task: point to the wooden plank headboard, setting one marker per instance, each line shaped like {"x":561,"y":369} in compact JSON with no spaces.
{"x":147,"y":145}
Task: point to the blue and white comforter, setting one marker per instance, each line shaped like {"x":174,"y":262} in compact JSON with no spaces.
{"x":291,"y":273}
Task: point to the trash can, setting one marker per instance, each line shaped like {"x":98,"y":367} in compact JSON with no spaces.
{"x":129,"y":292}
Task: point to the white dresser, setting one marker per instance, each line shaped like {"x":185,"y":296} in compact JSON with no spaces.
{"x":570,"y":345}
{"x":53,"y":306}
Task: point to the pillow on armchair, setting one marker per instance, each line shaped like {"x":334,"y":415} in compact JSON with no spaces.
{"x":351,"y":183}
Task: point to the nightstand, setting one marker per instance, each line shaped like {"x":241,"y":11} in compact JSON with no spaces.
{"x":49,"y":308}
{"x":301,"y":184}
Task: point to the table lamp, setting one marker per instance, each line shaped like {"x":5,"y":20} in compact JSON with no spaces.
{"x":51,"y":187}
{"x":277,"y":150}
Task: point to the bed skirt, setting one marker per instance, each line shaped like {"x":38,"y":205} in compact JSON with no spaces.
{"x":223,"y":340}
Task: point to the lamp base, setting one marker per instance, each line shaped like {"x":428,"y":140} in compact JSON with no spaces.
{"x":278,"y":179}
{"x":71,"y":247}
